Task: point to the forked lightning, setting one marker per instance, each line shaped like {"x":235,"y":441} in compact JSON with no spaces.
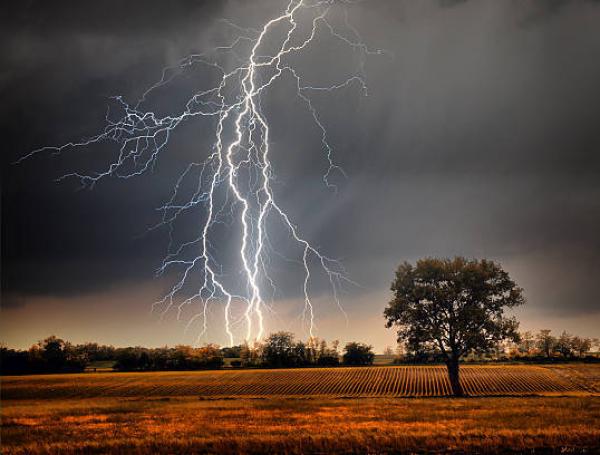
{"x":233,"y":183}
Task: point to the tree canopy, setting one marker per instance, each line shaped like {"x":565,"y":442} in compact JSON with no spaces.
{"x":358,"y":354}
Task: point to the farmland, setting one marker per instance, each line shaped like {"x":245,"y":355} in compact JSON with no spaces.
{"x":401,"y":381}
{"x":320,"y":410}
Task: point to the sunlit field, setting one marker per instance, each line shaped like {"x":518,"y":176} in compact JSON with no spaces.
{"x":401,"y":381}
{"x":343,"y":410}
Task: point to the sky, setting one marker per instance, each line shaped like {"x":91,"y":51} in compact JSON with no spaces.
{"x":478,"y":137}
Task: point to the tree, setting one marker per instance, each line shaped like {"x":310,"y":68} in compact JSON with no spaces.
{"x":546,"y":342}
{"x":129,"y":359}
{"x":358,"y":354}
{"x":581,"y":345}
{"x":564,"y":344}
{"x":453,"y":305}
{"x":595,"y":342}
{"x":388,"y":351}
{"x":14,"y":362}
{"x":312,"y":350}
{"x":328,"y":356}
{"x":334,"y":346}
{"x":527,"y":343}
{"x":400,"y":351}
{"x":278,"y":349}
{"x":54,"y":353}
{"x":300,"y":354}
{"x":250,"y":355}
{"x":209,"y":356}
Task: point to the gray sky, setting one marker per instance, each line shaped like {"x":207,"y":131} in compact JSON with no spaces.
{"x":479,"y":137}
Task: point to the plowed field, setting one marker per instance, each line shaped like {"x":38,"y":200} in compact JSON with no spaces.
{"x":401,"y":381}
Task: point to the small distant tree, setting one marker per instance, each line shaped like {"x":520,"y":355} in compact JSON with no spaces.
{"x":54,"y":353}
{"x":400,"y":351}
{"x":546,"y":342}
{"x":131,"y":359}
{"x":313,"y":350}
{"x":155,"y":359}
{"x":527,"y":343}
{"x":358,"y":354}
{"x":328,"y":356}
{"x":35,"y":358}
{"x":300,"y":354}
{"x":388,"y":351}
{"x":250,"y":355}
{"x":278,"y":350}
{"x":15,"y":362}
{"x":209,"y":356}
{"x":564,"y":345}
{"x":322,"y":349}
{"x":335,"y":344}
{"x":581,"y":346}
{"x":453,"y":305}
{"x":182,"y":357}
{"x":94,"y":352}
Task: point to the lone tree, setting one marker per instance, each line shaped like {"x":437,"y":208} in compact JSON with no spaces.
{"x":453,"y":305}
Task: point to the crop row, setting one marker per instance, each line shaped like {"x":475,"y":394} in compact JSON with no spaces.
{"x":419,"y":381}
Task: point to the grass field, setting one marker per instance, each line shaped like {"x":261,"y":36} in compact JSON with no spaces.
{"x":343,"y":410}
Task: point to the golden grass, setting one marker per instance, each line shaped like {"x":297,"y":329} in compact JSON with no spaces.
{"x":336,"y":410}
{"x":404,"y":381}
{"x":295,"y":425}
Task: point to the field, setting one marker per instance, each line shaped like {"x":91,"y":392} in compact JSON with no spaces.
{"x":403,"y":381}
{"x":341,"y":410}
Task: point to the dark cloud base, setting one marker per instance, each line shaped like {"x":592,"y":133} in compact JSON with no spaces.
{"x":479,"y":137}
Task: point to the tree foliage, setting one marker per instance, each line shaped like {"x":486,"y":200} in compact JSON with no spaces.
{"x":565,"y":346}
{"x":546,"y":342}
{"x":182,"y":357}
{"x":358,"y":354}
{"x":280,"y":350}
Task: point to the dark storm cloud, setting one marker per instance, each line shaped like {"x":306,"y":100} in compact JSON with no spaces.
{"x":479,"y":137}
{"x":60,"y":65}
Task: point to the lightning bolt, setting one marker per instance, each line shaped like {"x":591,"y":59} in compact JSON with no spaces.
{"x":234,"y":182}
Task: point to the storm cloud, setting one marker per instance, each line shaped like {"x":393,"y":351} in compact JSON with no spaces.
{"x":479,"y":137}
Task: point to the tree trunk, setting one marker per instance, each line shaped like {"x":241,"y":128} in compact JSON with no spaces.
{"x":453,"y":374}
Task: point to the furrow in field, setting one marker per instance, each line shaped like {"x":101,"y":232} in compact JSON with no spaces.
{"x":397,"y":381}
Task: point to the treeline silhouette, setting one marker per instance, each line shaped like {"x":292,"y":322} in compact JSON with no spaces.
{"x":542,"y":347}
{"x":54,"y":355}
{"x":279,"y":350}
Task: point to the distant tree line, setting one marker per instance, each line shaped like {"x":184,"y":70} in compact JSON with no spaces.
{"x":528,"y":346}
{"x":545,"y":345}
{"x":49,"y":355}
{"x":54,"y":355}
{"x":180,"y":357}
{"x":279,"y":350}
